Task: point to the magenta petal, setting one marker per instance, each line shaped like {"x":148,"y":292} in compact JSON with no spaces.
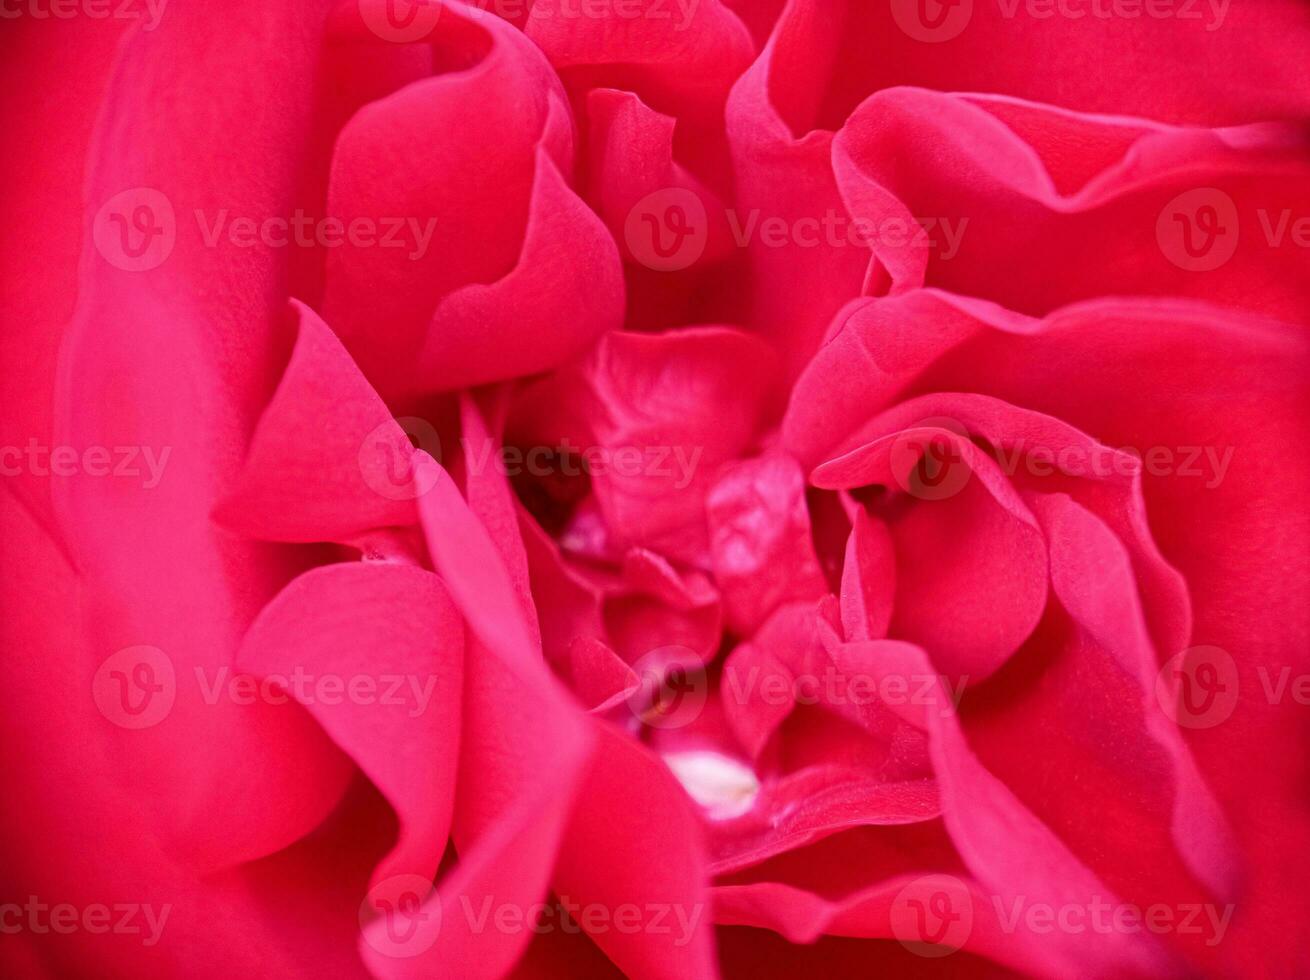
{"x":651,"y":574}
{"x":984,"y":182}
{"x":681,"y":56}
{"x":631,"y":161}
{"x":654,"y":856}
{"x":871,"y":356}
{"x":1092,"y":577}
{"x":970,"y":566}
{"x":519,"y":771}
{"x":492,"y":502}
{"x":451,"y":158}
{"x":760,"y":539}
{"x":179,"y":356}
{"x":760,"y":695}
{"x":868,"y":584}
{"x":784,"y":174}
{"x":669,"y":409}
{"x":598,"y":676}
{"x":352,"y":477}
{"x":814,"y":803}
{"x":569,"y":607}
{"x":565,"y":291}
{"x":391,"y":638}
{"x":467,"y":559}
{"x":884,"y":911}
{"x":1010,"y":851}
{"x":524,"y":748}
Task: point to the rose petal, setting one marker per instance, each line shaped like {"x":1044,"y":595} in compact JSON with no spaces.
{"x":395,"y":628}
{"x":323,"y":447}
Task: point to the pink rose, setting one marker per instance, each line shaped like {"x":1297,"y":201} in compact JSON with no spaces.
{"x":664,"y":488}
